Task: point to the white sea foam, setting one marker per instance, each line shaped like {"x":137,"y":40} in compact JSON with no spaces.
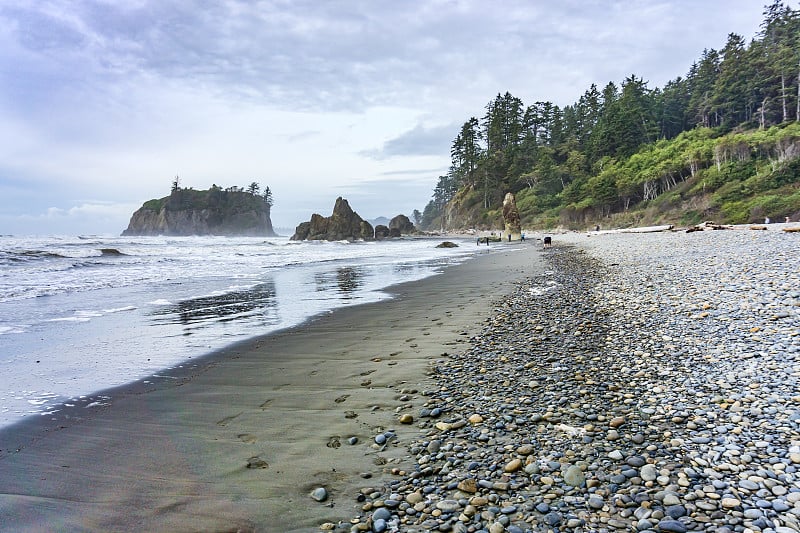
{"x":71,"y":319}
{"x":120,"y":309}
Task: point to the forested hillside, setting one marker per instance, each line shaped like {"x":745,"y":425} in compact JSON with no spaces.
{"x":721,"y":143}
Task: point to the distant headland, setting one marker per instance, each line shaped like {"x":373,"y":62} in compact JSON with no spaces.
{"x":234,"y":211}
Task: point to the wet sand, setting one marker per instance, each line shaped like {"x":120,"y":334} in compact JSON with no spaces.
{"x":240,"y":440}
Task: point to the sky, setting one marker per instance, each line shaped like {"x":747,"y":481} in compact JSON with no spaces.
{"x":103,"y":103}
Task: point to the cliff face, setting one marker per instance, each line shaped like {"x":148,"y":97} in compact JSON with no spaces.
{"x":343,"y":224}
{"x":212,"y":212}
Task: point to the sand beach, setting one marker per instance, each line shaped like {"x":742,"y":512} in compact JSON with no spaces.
{"x":240,"y":441}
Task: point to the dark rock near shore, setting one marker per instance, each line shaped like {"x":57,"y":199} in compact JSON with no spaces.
{"x":447,"y":244}
{"x":343,"y":224}
{"x":382,"y":232}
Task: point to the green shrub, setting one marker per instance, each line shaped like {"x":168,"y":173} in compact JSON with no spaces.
{"x":735,"y":212}
{"x":156,"y":204}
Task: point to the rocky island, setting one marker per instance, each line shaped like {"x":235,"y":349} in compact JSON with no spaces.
{"x":216,"y":211}
{"x":344,"y":224}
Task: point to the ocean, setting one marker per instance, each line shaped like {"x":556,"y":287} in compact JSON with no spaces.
{"x":80,"y":315}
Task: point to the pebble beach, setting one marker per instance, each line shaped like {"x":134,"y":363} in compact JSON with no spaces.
{"x":642,"y":382}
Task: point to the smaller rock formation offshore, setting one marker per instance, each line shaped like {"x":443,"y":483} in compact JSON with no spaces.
{"x":511,"y":217}
{"x":401,"y":225}
{"x":398,"y":226}
{"x":211,"y":212}
{"x":343,"y":224}
{"x":382,"y":232}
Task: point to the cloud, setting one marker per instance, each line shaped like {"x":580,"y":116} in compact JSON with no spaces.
{"x":349,"y":56}
{"x":417,"y":171}
{"x":83,"y":219}
{"x":419,"y":141}
{"x":106,"y":99}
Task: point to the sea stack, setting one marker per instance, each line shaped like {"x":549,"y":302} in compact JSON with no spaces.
{"x":212,"y":212}
{"x":511,"y":219}
{"x":343,"y":225}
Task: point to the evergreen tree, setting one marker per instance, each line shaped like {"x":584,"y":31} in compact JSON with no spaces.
{"x":267,"y":196}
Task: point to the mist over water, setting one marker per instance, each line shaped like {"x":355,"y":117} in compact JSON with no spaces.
{"x":79,"y":315}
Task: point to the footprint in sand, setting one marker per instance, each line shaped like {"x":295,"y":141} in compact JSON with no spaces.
{"x":341,"y":398}
{"x":265,"y":405}
{"x":247,"y":438}
{"x":350,"y":414}
{"x":225,"y":421}
{"x":368,"y":372}
{"x":333,"y":442}
{"x":257,"y":463}
{"x":366,"y":383}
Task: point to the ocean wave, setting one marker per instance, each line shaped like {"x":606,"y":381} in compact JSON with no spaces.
{"x":9,"y":330}
{"x":29,"y":255}
{"x":120,"y":309}
{"x":110,"y":252}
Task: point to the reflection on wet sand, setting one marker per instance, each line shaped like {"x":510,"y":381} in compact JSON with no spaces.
{"x":346,"y":280}
{"x":256,"y":303}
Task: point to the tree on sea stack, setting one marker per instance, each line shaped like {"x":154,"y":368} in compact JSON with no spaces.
{"x":511,"y":217}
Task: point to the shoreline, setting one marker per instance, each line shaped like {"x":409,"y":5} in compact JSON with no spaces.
{"x":175,"y":455}
{"x":133,"y":330}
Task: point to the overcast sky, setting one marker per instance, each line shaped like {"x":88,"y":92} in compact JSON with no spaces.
{"x":103,"y":103}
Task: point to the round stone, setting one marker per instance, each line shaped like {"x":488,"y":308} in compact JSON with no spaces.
{"x":381,"y":513}
{"x":675,"y":511}
{"x":513,"y":465}
{"x":574,"y":476}
{"x":648,"y":473}
{"x":730,"y":503}
{"x":448,"y":506}
{"x":636,"y":461}
{"x":595,"y":502}
{"x":475,"y":419}
{"x":672,"y":526}
{"x":319,"y":494}
{"x":552,"y":519}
